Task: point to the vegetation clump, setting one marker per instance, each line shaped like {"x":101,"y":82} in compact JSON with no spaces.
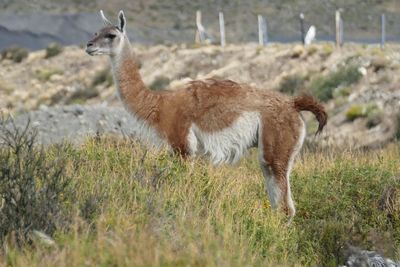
{"x":160,"y":83}
{"x":361,"y":110}
{"x":45,"y":74}
{"x":53,"y":49}
{"x":291,"y":84}
{"x":15,"y":53}
{"x":103,"y":76}
{"x":397,"y":121}
{"x":34,"y":186}
{"x":81,"y":95}
{"x":323,"y":86}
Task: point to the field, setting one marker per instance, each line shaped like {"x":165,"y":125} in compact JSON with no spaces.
{"x":112,"y":202}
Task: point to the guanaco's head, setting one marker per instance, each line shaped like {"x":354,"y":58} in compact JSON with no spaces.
{"x":109,"y":40}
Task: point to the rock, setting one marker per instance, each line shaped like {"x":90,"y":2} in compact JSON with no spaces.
{"x":78,"y":111}
{"x":74,"y":123}
{"x":357,"y":257}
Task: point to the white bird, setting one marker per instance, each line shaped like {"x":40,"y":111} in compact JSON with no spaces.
{"x":310,"y":36}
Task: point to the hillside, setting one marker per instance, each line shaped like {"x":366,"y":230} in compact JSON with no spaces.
{"x":173,"y":21}
{"x":359,"y":85}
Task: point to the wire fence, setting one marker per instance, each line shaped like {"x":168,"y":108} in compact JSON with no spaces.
{"x":339,"y":27}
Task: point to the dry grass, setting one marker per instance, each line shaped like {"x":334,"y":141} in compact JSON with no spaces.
{"x":139,"y":208}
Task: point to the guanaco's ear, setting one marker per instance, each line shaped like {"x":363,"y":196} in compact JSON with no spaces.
{"x":121,"y":21}
{"x":105,"y":20}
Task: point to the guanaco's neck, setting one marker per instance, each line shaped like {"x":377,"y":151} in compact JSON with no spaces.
{"x":131,"y":88}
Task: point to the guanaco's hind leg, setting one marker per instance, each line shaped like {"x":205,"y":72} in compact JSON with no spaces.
{"x":277,"y":155}
{"x":278,"y":186}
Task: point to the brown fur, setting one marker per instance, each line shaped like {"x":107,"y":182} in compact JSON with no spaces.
{"x":307,"y":102}
{"x":214,"y":105}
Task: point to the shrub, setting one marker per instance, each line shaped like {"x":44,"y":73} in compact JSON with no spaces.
{"x":160,"y":83}
{"x":103,"y":76}
{"x":323,"y":87}
{"x":326,"y":50}
{"x":374,"y":119}
{"x":16,"y":54}
{"x":397,"y":127}
{"x":291,"y":83}
{"x":361,"y":110}
{"x":45,"y":74}
{"x":379,"y":63}
{"x":311,"y":50}
{"x":342,"y":91}
{"x":5,"y":88}
{"x":80,"y":96}
{"x":33,"y":185}
{"x":53,"y":50}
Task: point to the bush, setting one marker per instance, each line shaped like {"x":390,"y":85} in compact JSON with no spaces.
{"x":16,"y":54}
{"x":379,"y":63}
{"x":45,"y":74}
{"x":33,"y":185}
{"x":160,"y":83}
{"x":53,"y":50}
{"x":80,"y":96}
{"x":5,"y":88}
{"x":103,"y":76}
{"x":361,"y":110}
{"x":326,"y":50}
{"x":342,"y":91}
{"x":323,"y":87}
{"x":291,"y":84}
{"x":398,"y":127}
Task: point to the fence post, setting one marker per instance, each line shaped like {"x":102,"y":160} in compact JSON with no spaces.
{"x":200,"y":35}
{"x":337,"y":24}
{"x":302,"y":30}
{"x":341,"y":37}
{"x":383,"y":30}
{"x":262,"y":30}
{"x":222,"y":28}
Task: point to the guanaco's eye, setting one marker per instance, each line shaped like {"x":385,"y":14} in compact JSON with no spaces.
{"x":110,"y":36}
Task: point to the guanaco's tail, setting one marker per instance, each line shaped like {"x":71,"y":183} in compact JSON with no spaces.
{"x":309,"y":103}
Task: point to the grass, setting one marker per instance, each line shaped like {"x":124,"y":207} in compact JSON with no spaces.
{"x":135,"y":207}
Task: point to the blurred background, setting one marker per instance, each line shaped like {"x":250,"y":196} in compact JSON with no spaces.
{"x":45,"y":73}
{"x":33,"y":24}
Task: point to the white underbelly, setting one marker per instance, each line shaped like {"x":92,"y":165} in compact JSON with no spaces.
{"x":227,"y":145}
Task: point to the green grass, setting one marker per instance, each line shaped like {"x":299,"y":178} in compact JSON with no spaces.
{"x":133,"y":207}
